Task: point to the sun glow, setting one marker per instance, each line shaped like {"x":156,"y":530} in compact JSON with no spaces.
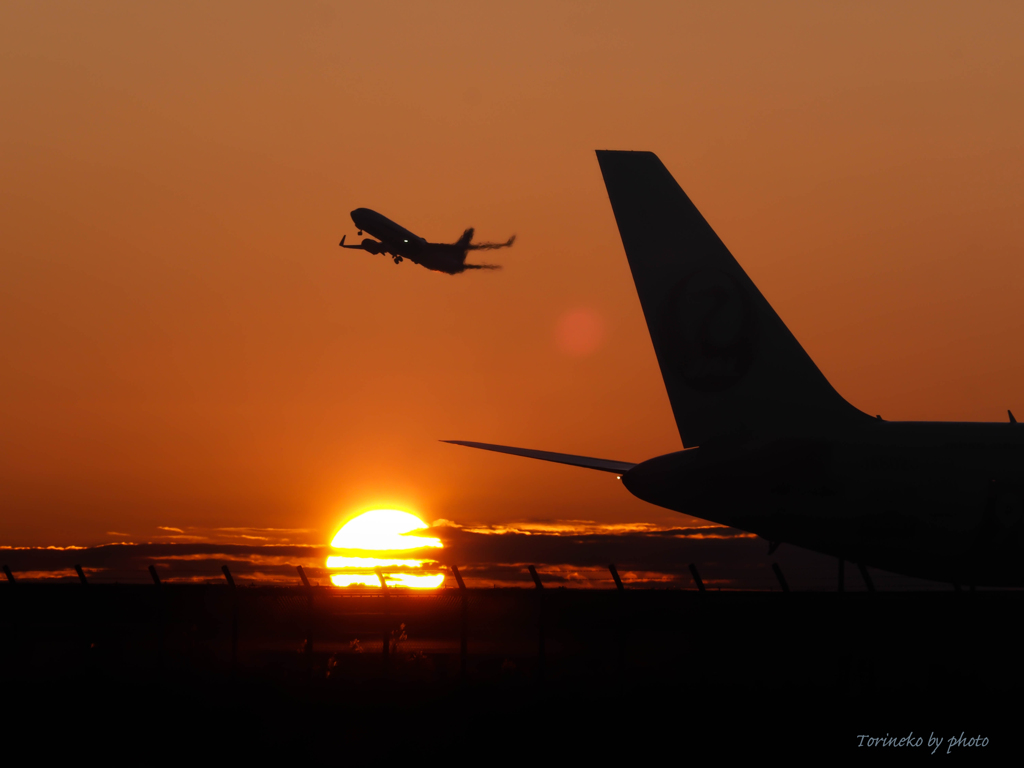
{"x":384,"y":531}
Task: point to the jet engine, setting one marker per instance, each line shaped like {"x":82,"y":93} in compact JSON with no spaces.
{"x":372,"y":246}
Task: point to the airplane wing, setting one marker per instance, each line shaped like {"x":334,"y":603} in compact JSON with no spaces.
{"x":604,"y":465}
{"x":368,"y":245}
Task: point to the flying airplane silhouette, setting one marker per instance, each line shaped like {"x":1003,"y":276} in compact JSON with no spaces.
{"x":769,"y":446}
{"x":400,"y":243}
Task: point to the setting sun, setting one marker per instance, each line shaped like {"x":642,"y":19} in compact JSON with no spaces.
{"x":384,"y":531}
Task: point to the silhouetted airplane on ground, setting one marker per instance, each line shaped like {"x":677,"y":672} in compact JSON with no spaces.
{"x":769,"y":446}
{"x":400,"y":243}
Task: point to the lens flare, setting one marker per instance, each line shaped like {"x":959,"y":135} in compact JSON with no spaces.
{"x":385,"y":531}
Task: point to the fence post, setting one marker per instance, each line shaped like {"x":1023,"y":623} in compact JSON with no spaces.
{"x":464,"y":639}
{"x":234,"y":618}
{"x":88,"y":608}
{"x":540,"y":623}
{"x":309,"y":620}
{"x":161,"y":616}
{"x":386,"y":650}
{"x":620,"y":629}
{"x":780,"y":577}
{"x":615,"y":575}
{"x":536,"y":579}
{"x":867,"y":577}
{"x":696,"y":577}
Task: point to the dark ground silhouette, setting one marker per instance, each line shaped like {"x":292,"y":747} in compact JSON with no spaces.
{"x":202,"y":671}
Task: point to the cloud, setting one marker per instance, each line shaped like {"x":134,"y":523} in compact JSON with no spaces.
{"x":573,"y":553}
{"x":174,"y":560}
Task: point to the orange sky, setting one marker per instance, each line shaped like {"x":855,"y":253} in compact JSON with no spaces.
{"x":184,"y":344}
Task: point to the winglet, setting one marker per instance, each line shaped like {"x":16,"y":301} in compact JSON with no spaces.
{"x":1012,"y":420}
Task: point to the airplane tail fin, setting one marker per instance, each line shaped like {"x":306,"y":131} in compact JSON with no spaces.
{"x":467,"y":237}
{"x":731,"y":367}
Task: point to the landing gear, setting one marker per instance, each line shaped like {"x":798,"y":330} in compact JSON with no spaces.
{"x":360,"y":233}
{"x":397,"y":259}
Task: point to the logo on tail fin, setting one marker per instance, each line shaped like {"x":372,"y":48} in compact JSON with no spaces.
{"x":708,"y":321}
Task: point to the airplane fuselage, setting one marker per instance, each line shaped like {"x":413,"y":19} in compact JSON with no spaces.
{"x":384,"y":229}
{"x":775,"y":449}
{"x":939,"y":500}
{"x":400,"y":243}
